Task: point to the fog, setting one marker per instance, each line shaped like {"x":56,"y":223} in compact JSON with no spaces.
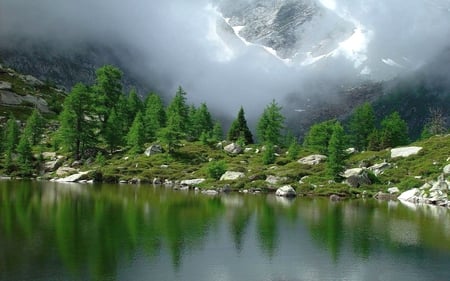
{"x":176,"y":43}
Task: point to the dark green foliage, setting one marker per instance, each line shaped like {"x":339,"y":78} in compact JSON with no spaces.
{"x":319,"y":136}
{"x":155,"y":116}
{"x":293,"y":150}
{"x":170,"y":138}
{"x":107,"y":90}
{"x":25,"y":155}
{"x":270,"y":124}
{"x":435,"y":125}
{"x":269,"y":154}
{"x":34,"y":127}
{"x":113,"y":133}
{"x":394,"y":131}
{"x":336,"y":152}
{"x":134,"y":105}
{"x":216,"y":169}
{"x":217,"y":133}
{"x":239,"y":129}
{"x":11,"y":139}
{"x":136,"y":135}
{"x":178,"y":113}
{"x":362,"y":124}
{"x":374,"y":141}
{"x":76,"y":132}
{"x":200,"y":121}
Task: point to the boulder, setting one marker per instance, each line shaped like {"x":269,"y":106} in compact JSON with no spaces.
{"x":154,"y":149}
{"x":447,"y":170}
{"x":275,"y":180}
{"x":357,"y":180}
{"x":210,"y":192}
{"x":73,"y":178}
{"x":230,"y":175}
{"x":49,"y":155}
{"x":378,"y":169}
{"x":335,"y":198}
{"x":409,"y":195}
{"x":51,"y":166}
{"x":192,"y":182}
{"x":64,"y":171}
{"x":393,"y":190}
{"x":353,"y":172}
{"x":5,"y":85}
{"x":233,"y":148}
{"x":286,"y":191}
{"x":405,"y":151}
{"x":312,"y":159}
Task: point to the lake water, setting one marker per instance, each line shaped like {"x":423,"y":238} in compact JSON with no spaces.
{"x":51,"y":231}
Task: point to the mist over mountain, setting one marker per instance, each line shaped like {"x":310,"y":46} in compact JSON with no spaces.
{"x":312,"y":56}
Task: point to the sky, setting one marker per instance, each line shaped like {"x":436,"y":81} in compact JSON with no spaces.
{"x":176,"y":43}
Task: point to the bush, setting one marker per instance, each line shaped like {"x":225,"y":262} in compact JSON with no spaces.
{"x":216,"y":169}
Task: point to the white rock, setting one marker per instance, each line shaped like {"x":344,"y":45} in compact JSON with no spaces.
{"x":73,"y":178}
{"x":64,"y":171}
{"x":154,"y":149}
{"x":5,"y":85}
{"x":393,"y":190}
{"x":409,"y":195}
{"x":378,"y":169}
{"x":350,"y":150}
{"x":230,"y":175}
{"x":447,"y":169}
{"x":286,"y":191}
{"x":233,"y":148}
{"x":210,"y":192}
{"x":312,"y":159}
{"x":405,"y":151}
{"x":192,"y":182}
{"x":352,"y":172}
{"x":274,"y":179}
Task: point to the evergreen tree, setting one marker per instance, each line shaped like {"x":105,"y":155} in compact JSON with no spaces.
{"x":155,"y":116}
{"x":293,"y":150}
{"x":394,"y":131}
{"x":318,"y":136}
{"x":25,"y":155}
{"x":136,"y":135}
{"x":76,"y":132}
{"x":134,"y":105}
{"x":270,"y":124}
{"x":113,"y":133}
{"x":239,"y":129}
{"x":107,"y":90}
{"x":11,"y":139}
{"x":178,"y":112}
{"x":217,"y":132}
{"x":269,"y":154}
{"x":435,"y":124}
{"x":336,"y":151}
{"x":201,"y":121}
{"x":34,"y":127}
{"x":374,"y":142}
{"x":170,"y":138}
{"x":362,"y":124}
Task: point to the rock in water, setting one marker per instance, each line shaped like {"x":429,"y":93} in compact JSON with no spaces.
{"x":286,"y":191}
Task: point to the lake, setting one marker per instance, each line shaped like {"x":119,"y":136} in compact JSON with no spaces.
{"x":54,"y":231}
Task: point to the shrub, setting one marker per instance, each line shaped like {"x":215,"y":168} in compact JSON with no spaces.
{"x":216,"y":169}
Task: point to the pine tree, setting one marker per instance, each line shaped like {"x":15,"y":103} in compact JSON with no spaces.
{"x":318,"y":136}
{"x":76,"y":132}
{"x":155,"y":116}
{"x":136,"y":135}
{"x":293,"y":150}
{"x":394,"y":131}
{"x":178,"y":113}
{"x":113,"y":131}
{"x":34,"y":127}
{"x":270,"y":124}
{"x":134,"y":104}
{"x":217,"y":132}
{"x":25,"y":155}
{"x":201,"y":121}
{"x":239,"y":129}
{"x":336,"y":152}
{"x":269,"y":154}
{"x":11,"y":139}
{"x":362,"y":124}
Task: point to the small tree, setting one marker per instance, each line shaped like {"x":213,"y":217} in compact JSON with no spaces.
{"x":394,"y":131}
{"x":216,"y":169}
{"x":319,"y":135}
{"x":270,"y":124}
{"x":178,"y":113}
{"x":25,"y":155}
{"x":293,"y":150}
{"x":362,"y":124}
{"x":11,"y":139}
{"x":136,"y":135}
{"x":217,"y":133}
{"x":435,"y":124}
{"x":336,"y":152}
{"x":34,"y":127}
{"x":133,"y":104}
{"x":269,"y":154}
{"x":239,"y":129}
{"x":113,"y":131}
{"x":155,"y":116}
{"x":201,"y":121}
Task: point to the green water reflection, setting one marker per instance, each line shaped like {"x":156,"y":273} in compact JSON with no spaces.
{"x":81,"y":232}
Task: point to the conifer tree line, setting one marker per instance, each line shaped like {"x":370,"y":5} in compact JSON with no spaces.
{"x":101,"y":117}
